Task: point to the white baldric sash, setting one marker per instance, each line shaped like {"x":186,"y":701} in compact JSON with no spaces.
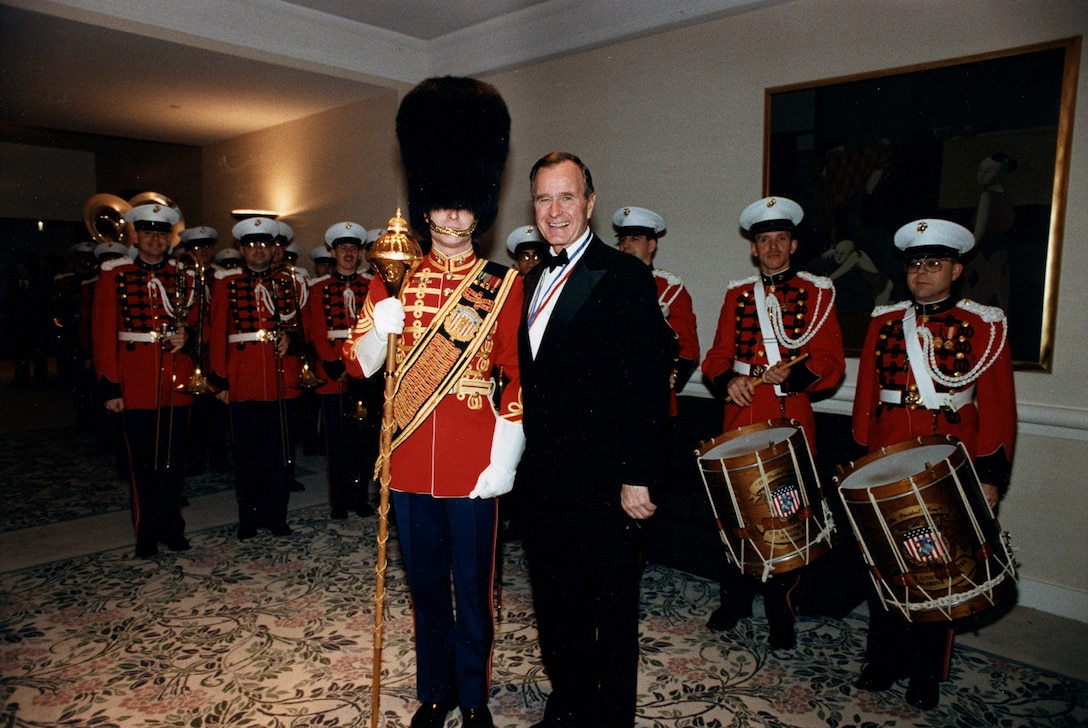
{"x":917,"y":360}
{"x":770,"y":341}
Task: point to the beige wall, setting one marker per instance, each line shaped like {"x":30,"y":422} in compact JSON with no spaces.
{"x":339,"y":165}
{"x":675,"y":122}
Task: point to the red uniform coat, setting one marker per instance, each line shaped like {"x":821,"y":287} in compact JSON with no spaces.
{"x":330,"y":315}
{"x":675,"y":303}
{"x":137,"y":299}
{"x":245,"y":303}
{"x":447,"y":453}
{"x":964,"y":334}
{"x":807,"y":305}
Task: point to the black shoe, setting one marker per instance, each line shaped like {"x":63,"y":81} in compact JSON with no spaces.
{"x":279,"y":529}
{"x":923,"y":693}
{"x":246,"y":532}
{"x":724,"y":619}
{"x":338,"y":513}
{"x":365,"y":510}
{"x":178,"y":544}
{"x":476,"y":718}
{"x":431,"y":715}
{"x":782,"y":637}
{"x":294,"y":486}
{"x":146,"y":549}
{"x":876,"y":679}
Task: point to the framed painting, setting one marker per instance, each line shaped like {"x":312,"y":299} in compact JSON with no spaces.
{"x":983,"y":141}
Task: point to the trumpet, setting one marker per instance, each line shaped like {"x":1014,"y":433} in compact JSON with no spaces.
{"x":198,"y":383}
{"x":308,"y":379}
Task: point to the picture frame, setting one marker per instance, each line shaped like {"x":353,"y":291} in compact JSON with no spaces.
{"x":981,"y":140}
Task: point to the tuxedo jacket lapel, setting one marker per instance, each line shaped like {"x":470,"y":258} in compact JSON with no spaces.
{"x":583,"y":279}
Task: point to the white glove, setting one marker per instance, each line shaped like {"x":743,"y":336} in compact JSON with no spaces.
{"x":507,"y":444}
{"x":370,"y":351}
{"x":388,"y":317}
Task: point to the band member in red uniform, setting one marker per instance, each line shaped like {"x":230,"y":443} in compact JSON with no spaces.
{"x":253,"y":345}
{"x":350,"y":408}
{"x":454,"y":451}
{"x":934,"y":365}
{"x":144,"y":315}
{"x":766,"y":321}
{"x":208,"y":434}
{"x":637,"y":233}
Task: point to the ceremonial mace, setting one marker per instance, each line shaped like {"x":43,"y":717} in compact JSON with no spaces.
{"x":394,"y":254}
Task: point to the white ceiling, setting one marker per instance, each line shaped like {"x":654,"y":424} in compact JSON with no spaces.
{"x":200,"y":71}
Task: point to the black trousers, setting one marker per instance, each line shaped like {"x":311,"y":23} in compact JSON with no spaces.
{"x":156,"y":449}
{"x":913,"y":649}
{"x":738,"y":590}
{"x":351,"y":447}
{"x":263,"y":434}
{"x":585,"y":568}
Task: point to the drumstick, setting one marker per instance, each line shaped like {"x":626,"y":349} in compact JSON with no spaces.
{"x":781,"y":365}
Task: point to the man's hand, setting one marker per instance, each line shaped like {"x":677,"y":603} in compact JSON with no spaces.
{"x":776,"y":374}
{"x":636,"y":502}
{"x":115,"y":405}
{"x":174,"y":342}
{"x":223,"y":396}
{"x":741,"y":390}
{"x":992,"y":494}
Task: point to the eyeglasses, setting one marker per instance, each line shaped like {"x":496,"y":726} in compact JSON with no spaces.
{"x":528,"y":255}
{"x":258,"y":244}
{"x":932,"y":265}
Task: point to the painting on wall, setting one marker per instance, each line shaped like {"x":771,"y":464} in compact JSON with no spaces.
{"x":983,"y":141}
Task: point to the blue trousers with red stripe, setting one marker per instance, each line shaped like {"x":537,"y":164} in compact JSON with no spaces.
{"x":440,"y":537}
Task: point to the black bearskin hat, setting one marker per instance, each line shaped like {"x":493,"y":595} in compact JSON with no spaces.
{"x":454,"y":136}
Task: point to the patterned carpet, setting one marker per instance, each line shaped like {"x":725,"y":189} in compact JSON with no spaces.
{"x":277,"y":632}
{"x":51,"y":476}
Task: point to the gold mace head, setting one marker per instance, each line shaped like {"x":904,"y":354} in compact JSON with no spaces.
{"x":394,"y":253}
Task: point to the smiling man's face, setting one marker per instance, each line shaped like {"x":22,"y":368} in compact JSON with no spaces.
{"x":562,"y":207}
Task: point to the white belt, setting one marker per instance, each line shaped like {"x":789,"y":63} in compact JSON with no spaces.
{"x":148,"y":337}
{"x":260,"y":335}
{"x":339,"y":333}
{"x":749,"y":370}
{"x":484,"y":387}
{"x":914,"y":399}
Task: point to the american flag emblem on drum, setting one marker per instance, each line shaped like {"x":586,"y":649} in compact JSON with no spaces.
{"x":785,"y":500}
{"x":924,"y":544}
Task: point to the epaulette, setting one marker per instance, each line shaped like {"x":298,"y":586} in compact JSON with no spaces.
{"x":227,"y":273}
{"x":890,"y":307}
{"x":671,"y":278}
{"x":315,"y":281}
{"x":989,"y":314}
{"x":818,"y":281}
{"x":116,"y":263}
{"x":743,"y":282}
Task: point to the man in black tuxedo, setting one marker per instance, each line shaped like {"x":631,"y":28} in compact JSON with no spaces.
{"x":595,"y":357}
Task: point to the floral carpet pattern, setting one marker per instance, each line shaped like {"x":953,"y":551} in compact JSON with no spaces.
{"x":46,"y":477}
{"x":277,"y":632}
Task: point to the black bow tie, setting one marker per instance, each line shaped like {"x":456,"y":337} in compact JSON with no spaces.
{"x":558,"y":261}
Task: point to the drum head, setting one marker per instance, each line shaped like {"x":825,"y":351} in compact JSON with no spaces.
{"x":748,"y":443}
{"x":897,"y":466}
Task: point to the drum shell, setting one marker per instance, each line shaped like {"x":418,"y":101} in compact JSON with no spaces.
{"x":758,"y":541}
{"x":941,"y":588}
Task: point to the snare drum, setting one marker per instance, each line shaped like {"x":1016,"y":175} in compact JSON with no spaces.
{"x":934,"y":549}
{"x":766,"y":498}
